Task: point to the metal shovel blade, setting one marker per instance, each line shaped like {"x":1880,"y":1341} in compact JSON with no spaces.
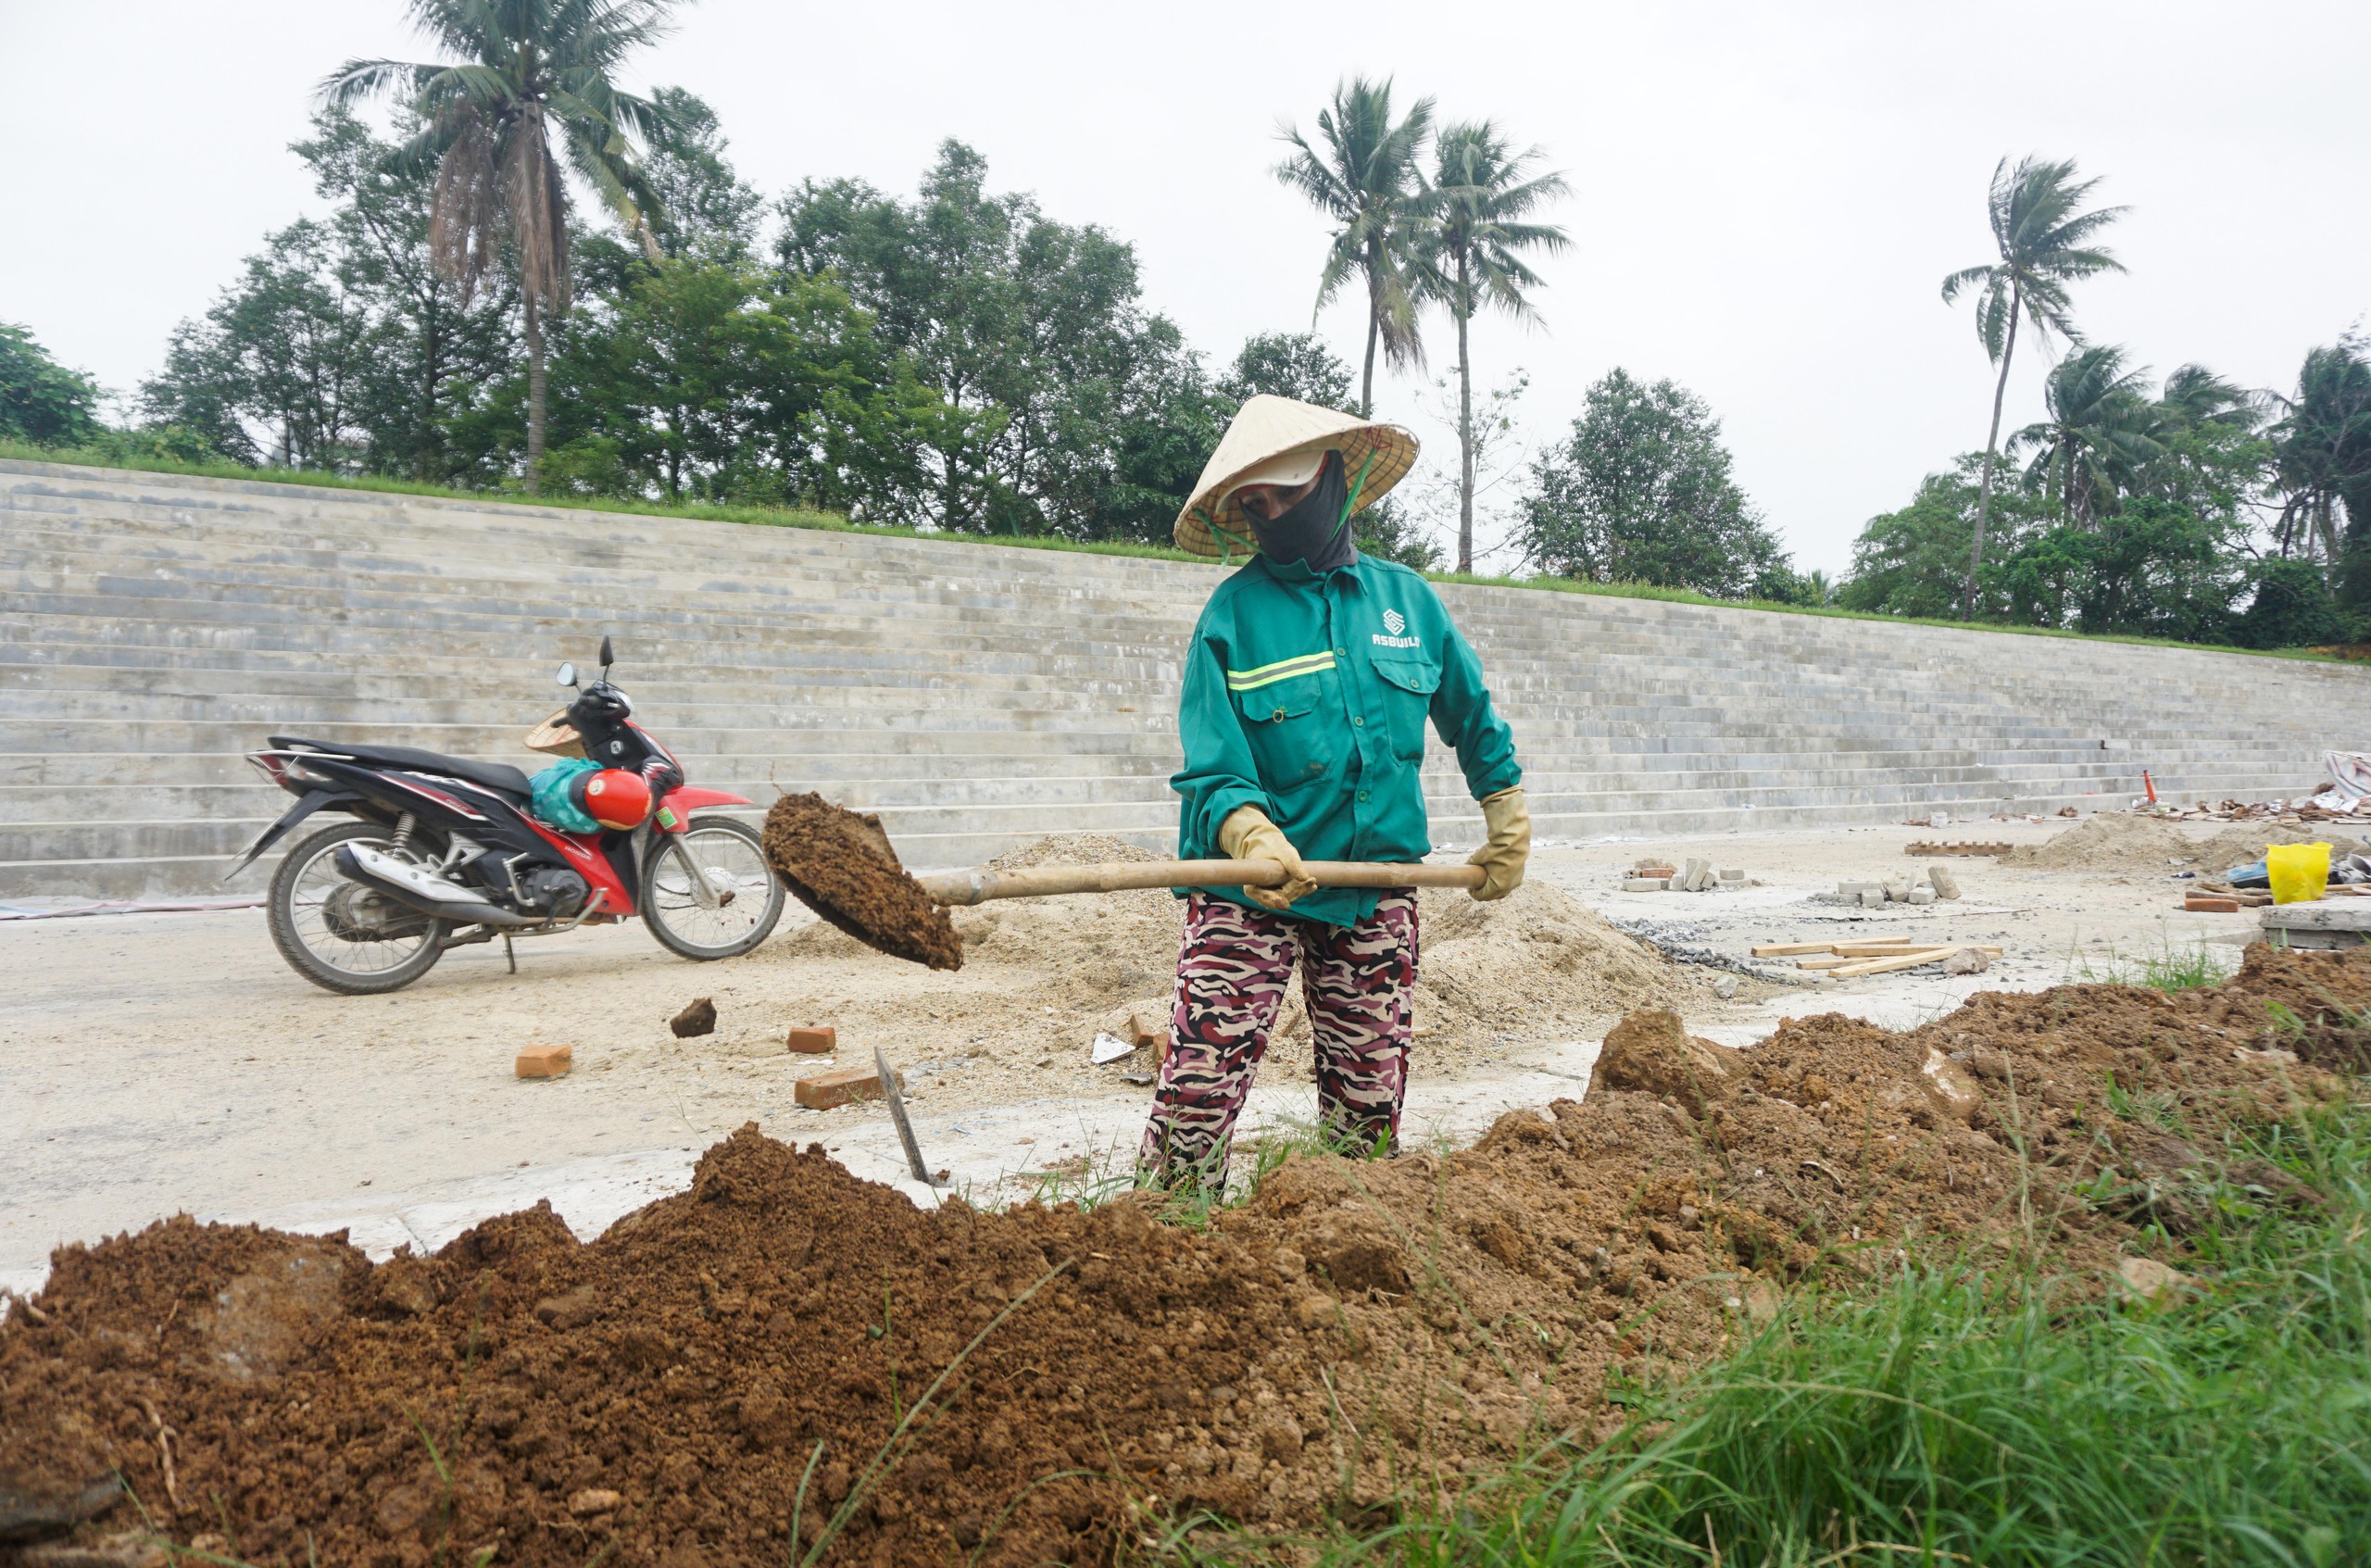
{"x":898,"y":1114}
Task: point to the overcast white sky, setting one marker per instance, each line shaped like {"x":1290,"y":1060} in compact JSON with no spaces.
{"x":1765,"y":196}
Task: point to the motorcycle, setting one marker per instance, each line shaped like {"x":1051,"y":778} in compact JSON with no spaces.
{"x":441,"y":852}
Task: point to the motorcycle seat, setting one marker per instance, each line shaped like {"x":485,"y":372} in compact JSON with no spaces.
{"x":499,"y":776}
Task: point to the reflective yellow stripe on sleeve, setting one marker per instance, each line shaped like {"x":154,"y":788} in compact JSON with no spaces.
{"x":1283,"y":670}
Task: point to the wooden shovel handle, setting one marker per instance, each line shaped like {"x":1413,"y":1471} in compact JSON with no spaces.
{"x":982,"y":883}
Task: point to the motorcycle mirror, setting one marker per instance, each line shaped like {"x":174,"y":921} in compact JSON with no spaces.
{"x":607,"y":657}
{"x":568,"y":675}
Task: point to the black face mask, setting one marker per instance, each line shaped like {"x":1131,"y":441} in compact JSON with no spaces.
{"x":1311,"y":531}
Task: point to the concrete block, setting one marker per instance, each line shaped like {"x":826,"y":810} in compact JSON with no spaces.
{"x":1731,"y":873}
{"x":815,"y":1042}
{"x":1645,"y":883}
{"x":1898,"y":891}
{"x":1922,"y":895}
{"x":1945,"y":884}
{"x":1697,"y":877}
{"x":546,"y":1061}
{"x":1873,"y":898}
{"x":845,"y":1088}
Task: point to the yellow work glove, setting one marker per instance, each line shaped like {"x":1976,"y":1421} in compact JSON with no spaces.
{"x":1248,"y":834}
{"x":1508,"y":846}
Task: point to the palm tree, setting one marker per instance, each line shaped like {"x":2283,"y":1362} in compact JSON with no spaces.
{"x":2323,"y":446}
{"x":2098,"y":436}
{"x":529,"y":72}
{"x":1363,"y":175}
{"x":1466,"y":257}
{"x":2043,"y":241}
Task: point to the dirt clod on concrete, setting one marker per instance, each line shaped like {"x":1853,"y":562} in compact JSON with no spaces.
{"x":840,"y":864}
{"x":697,"y":1018}
{"x":1355,"y":1326}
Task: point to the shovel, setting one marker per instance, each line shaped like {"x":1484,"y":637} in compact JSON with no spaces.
{"x":840,"y":864}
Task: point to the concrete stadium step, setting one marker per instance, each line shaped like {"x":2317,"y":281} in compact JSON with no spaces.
{"x":975,"y":696}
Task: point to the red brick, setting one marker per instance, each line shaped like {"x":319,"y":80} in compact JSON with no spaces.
{"x":843,"y":1088}
{"x":2208,"y":904}
{"x":815,"y":1042}
{"x":546,"y":1061}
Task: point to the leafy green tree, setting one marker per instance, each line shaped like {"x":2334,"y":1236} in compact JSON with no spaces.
{"x":2045,"y":242}
{"x":1641,"y":492}
{"x":702,"y":205}
{"x":1478,"y":210}
{"x":2099,"y":437}
{"x":42,"y":402}
{"x":1032,"y":331}
{"x":720,"y":381}
{"x":434,"y":350}
{"x":529,"y":73}
{"x":2322,"y":469}
{"x":277,"y":370}
{"x":1295,"y":365}
{"x":1914,"y":561}
{"x":1362,"y":175}
{"x":2292,"y":607}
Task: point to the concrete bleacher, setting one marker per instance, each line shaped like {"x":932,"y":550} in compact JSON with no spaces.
{"x":155,"y":627}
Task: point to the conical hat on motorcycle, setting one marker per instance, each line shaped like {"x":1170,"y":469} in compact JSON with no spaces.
{"x":556,"y":737}
{"x":1278,"y":440}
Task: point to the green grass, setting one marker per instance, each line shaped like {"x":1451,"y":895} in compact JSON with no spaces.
{"x":769,"y":517}
{"x":2168,"y":969}
{"x":1951,"y":1413}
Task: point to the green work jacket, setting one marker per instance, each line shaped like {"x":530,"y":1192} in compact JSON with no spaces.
{"x":1307,"y":696}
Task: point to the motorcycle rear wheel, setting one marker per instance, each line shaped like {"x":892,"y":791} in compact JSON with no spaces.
{"x":323,"y":924}
{"x":728,"y":847}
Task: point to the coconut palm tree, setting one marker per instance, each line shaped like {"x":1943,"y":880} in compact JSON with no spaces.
{"x":1476,"y":208}
{"x":2323,"y":451}
{"x":2044,"y":243}
{"x":2097,"y":438}
{"x":1362,"y":173}
{"x":529,"y":73}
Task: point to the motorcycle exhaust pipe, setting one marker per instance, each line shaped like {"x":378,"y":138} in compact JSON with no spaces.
{"x":415,"y":888}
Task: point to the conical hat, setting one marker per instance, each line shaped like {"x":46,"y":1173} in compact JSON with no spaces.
{"x":1374,"y":458}
{"x":556,"y":737}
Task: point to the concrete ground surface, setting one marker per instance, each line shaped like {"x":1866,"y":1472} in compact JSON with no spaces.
{"x":159,"y":1063}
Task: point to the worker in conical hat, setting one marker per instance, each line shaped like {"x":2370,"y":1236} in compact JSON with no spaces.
{"x":1309,"y":683}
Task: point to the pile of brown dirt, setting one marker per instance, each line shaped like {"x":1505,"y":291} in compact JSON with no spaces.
{"x":2147,"y":846}
{"x":656,"y":1395}
{"x":841,"y":865}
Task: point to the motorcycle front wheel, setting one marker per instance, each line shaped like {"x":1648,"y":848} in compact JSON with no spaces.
{"x":339,"y":933}
{"x":749,"y":896}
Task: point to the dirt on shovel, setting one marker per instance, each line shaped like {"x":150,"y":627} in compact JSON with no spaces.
{"x":840,"y":864}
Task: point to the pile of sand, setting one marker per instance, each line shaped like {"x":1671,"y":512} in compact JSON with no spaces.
{"x":2150,"y":846}
{"x":654,"y":1397}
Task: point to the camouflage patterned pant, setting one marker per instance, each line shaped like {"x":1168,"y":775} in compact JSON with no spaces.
{"x":1232,"y":968}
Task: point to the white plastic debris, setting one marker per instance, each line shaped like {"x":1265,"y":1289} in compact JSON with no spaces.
{"x":1111,"y":1047}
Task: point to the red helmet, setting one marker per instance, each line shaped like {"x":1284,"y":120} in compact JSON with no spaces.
{"x":613,"y":798}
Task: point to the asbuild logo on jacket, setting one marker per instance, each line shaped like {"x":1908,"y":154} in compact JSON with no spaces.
{"x":1394,"y":622}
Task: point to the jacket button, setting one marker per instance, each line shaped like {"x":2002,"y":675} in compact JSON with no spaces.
{"x":1363,"y":794}
{"x":1358,"y":720}
{"x":1278,"y":716}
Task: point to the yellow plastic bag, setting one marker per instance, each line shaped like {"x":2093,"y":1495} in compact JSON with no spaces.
{"x":2300,"y":871}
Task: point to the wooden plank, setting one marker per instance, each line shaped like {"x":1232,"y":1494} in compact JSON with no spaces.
{"x":1789,"y":949}
{"x":1880,"y":966}
{"x":1888,"y":949}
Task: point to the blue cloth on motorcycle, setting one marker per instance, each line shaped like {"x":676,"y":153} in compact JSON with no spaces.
{"x":548,"y":796}
{"x":2257,"y":874}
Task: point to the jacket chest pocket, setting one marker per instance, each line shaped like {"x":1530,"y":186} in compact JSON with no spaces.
{"x":1290,"y":726}
{"x":1408,"y":685}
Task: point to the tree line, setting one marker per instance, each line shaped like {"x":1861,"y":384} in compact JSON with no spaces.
{"x":963,"y":360}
